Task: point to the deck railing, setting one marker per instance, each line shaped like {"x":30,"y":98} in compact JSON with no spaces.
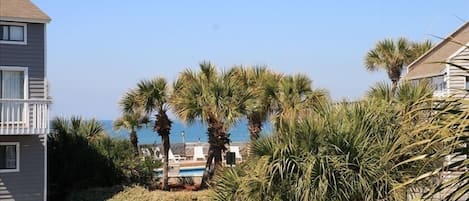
{"x":24,"y":116}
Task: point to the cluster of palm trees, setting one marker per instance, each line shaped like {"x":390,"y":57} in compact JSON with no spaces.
{"x":219,"y":100}
{"x":380,"y":148}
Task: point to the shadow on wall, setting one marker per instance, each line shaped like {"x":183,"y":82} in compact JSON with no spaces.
{"x":4,"y":193}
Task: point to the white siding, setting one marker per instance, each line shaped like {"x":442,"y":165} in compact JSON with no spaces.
{"x":457,"y":76}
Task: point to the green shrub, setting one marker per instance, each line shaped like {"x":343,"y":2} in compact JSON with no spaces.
{"x":138,"y":171}
{"x":81,"y":156}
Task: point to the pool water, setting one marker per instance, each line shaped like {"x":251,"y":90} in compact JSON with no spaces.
{"x":191,"y":171}
{"x":187,"y":171}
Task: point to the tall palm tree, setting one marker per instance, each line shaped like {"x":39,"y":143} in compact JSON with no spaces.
{"x":132,"y":118}
{"x":392,"y":56}
{"x":154,"y":95}
{"x":214,"y":98}
{"x":263,"y":84}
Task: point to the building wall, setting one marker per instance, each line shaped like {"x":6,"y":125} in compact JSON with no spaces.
{"x":457,"y":76}
{"x":31,"y":56}
{"x":28,"y":183}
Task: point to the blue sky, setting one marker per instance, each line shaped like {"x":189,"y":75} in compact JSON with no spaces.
{"x":99,"y":49}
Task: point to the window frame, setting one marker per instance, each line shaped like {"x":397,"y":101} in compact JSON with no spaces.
{"x":25,"y":79}
{"x":25,"y":71}
{"x":25,"y":35}
{"x":17,"y":169}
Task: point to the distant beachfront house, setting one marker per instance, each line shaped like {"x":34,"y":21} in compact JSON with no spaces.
{"x":448,"y":80}
{"x":24,"y":101}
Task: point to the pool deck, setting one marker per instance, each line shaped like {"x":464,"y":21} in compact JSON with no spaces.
{"x":191,"y":163}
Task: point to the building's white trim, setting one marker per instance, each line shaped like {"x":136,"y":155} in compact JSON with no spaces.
{"x":26,"y":77}
{"x":46,"y":84}
{"x":448,"y":76}
{"x":17,"y":19}
{"x":25,"y":33}
{"x":17,"y":144}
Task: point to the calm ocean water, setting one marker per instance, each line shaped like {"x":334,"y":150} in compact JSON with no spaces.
{"x":193,"y":133}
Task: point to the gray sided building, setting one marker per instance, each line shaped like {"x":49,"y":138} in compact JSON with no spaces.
{"x":24,"y":102}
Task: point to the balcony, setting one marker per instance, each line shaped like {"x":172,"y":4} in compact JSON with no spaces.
{"x":24,"y":117}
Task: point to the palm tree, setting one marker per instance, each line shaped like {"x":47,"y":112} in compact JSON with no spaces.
{"x":406,"y":95}
{"x":132,"y":118}
{"x":418,"y":49}
{"x":392,"y":56}
{"x":154,"y":96}
{"x":295,"y":97}
{"x":263,"y":84}
{"x":91,"y":129}
{"x":214,"y":98}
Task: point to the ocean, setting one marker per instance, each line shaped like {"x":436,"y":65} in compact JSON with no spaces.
{"x":193,"y":133}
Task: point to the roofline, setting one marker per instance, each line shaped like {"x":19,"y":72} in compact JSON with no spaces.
{"x":30,"y":20}
{"x":425,"y":76}
{"x":451,"y":36}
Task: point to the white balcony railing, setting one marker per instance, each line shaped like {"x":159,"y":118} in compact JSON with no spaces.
{"x":24,"y":117}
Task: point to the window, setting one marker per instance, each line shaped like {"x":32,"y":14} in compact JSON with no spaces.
{"x":13,"y":33}
{"x":9,"y":156}
{"x":438,"y":83}
{"x":13,"y":85}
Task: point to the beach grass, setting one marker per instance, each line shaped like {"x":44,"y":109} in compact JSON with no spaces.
{"x":138,"y":193}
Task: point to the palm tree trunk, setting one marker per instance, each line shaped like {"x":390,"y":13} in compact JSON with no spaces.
{"x":394,"y":75}
{"x":255,"y":127}
{"x":394,"y":85}
{"x":134,"y":141}
{"x":166,"y":147}
{"x":217,"y":138}
{"x":208,"y":168}
{"x":163,"y":128}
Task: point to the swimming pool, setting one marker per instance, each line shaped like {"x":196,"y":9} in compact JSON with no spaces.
{"x":191,"y":171}
{"x":186,"y":171}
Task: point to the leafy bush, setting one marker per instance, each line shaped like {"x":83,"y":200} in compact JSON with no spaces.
{"x":81,"y":156}
{"x":354,"y":151}
{"x":138,"y":171}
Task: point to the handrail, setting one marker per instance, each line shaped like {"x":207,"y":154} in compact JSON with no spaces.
{"x":24,"y":116}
